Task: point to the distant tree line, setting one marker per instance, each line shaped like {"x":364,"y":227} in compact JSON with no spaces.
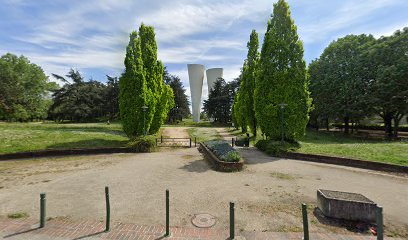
{"x":27,"y":94}
{"x":357,"y":77}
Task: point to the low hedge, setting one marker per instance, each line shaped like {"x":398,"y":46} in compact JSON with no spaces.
{"x":143,"y":144}
{"x":276,"y":147}
{"x":223,"y":151}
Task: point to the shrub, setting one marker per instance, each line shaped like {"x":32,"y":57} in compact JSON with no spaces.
{"x":261,"y":145}
{"x":276,"y":147}
{"x":223,"y":151}
{"x":232,"y":156}
{"x":143,"y":144}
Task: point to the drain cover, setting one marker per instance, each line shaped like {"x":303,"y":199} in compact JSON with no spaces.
{"x":203,"y":220}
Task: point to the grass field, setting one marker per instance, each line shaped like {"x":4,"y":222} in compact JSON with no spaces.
{"x":395,"y":152}
{"x":21,"y":137}
{"x":203,"y":134}
{"x":336,"y":144}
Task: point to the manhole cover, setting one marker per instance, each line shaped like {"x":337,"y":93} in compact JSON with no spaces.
{"x":203,"y":220}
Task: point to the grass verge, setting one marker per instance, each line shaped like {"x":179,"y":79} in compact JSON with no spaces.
{"x":204,"y":134}
{"x":22,"y":137}
{"x":344,"y":146}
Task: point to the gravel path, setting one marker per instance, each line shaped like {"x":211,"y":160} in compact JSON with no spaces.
{"x":268,"y":193}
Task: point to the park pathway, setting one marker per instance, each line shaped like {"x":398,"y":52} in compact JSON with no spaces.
{"x":63,"y":230}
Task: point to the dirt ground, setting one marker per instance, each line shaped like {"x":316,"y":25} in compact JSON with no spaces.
{"x":267,"y":193}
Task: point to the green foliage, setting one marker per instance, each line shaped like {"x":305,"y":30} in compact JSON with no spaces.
{"x":387,"y":73}
{"x":358,"y":76}
{"x":219,"y":103}
{"x":247,"y":86}
{"x":282,"y":78}
{"x":276,"y":147}
{"x":223,"y":150}
{"x":337,"y":83}
{"x":181,"y":107}
{"x":23,"y":89}
{"x":143,"y":144}
{"x":142,"y":85}
{"x":82,"y":101}
{"x":232,"y":156}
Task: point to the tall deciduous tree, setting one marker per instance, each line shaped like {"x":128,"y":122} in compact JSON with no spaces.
{"x":282,"y":78}
{"x":337,"y":80}
{"x":247,"y":88}
{"x":387,"y":75}
{"x":142,"y":85}
{"x":24,"y":89}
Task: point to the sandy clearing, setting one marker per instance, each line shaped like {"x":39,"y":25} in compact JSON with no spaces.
{"x":267,"y":193}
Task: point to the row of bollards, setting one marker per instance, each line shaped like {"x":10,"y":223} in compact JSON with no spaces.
{"x":379,"y":217}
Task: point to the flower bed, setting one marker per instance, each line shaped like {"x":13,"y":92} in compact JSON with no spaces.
{"x":222,"y":156}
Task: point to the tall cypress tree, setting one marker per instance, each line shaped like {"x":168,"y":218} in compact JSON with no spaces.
{"x":142,"y":85}
{"x":132,"y":85}
{"x":247,"y":87}
{"x":282,"y":78}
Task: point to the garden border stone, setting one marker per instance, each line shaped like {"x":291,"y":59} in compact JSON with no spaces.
{"x":63,"y":152}
{"x":349,"y":162}
{"x":217,"y":164}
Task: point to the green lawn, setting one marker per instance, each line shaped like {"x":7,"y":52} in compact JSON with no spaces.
{"x":20,"y":137}
{"x":339,"y":145}
{"x":203,"y":134}
{"x":336,"y":144}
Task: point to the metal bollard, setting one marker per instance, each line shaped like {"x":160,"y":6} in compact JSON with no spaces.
{"x":42,"y":210}
{"x":107,"y":209}
{"x":232,"y":220}
{"x":190,"y":142}
{"x":380,"y":223}
{"x":232,"y":142}
{"x":167,"y":213}
{"x":305,"y":222}
{"x":195,"y":141}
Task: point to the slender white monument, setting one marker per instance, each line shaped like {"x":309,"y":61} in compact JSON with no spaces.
{"x":212,"y":75}
{"x":196,"y":77}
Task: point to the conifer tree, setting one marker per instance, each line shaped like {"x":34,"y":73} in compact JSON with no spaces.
{"x":142,"y":85}
{"x":247,"y":87}
{"x":282,"y":78}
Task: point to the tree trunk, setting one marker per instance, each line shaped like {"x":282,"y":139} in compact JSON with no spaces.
{"x":327,"y":124}
{"x":346,"y":125}
{"x":254,"y":130}
{"x":397,"y":120}
{"x":388,"y":125}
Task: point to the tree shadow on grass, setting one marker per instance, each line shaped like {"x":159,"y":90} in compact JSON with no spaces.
{"x":336,"y":138}
{"x":89,"y":143}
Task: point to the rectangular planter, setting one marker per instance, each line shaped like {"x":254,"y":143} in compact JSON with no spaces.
{"x":345,"y":205}
{"x":220,"y":165}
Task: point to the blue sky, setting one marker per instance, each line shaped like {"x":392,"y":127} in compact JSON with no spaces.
{"x":91,"y":35}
